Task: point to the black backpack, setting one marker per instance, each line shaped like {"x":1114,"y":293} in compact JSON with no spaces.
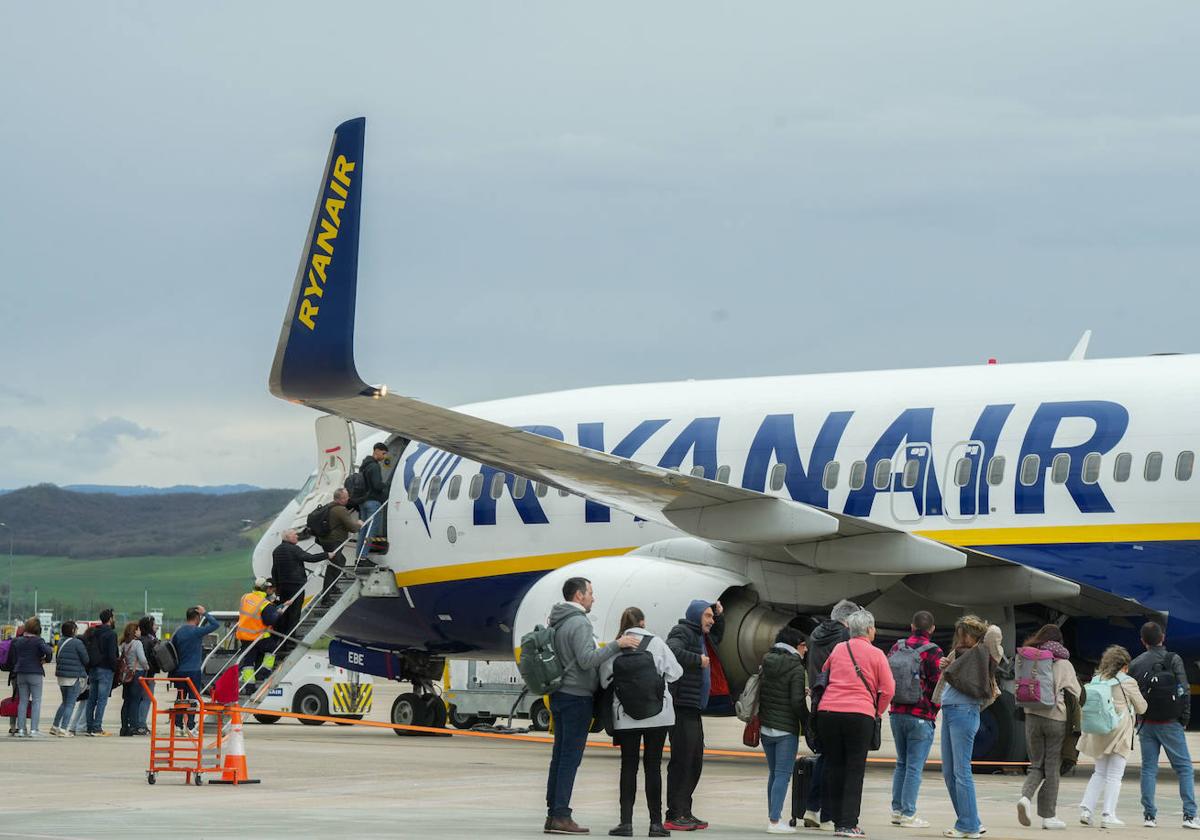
{"x":1165,"y":698}
{"x":638,"y":685}
{"x":356,"y":483}
{"x":318,"y":521}
{"x":91,"y":643}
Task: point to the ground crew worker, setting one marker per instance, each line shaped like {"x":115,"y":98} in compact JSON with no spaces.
{"x":251,"y":629}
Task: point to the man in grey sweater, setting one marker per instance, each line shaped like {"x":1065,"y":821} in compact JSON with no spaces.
{"x":571,"y":706}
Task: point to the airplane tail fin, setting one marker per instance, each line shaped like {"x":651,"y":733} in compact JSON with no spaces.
{"x":315,"y":355}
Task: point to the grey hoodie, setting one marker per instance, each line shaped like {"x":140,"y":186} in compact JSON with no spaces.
{"x":576,"y":645}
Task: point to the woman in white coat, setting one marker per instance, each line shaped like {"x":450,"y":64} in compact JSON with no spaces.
{"x":637,"y":684}
{"x":1112,"y":749}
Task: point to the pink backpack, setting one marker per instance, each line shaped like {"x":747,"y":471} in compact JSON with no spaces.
{"x":1035,"y":679}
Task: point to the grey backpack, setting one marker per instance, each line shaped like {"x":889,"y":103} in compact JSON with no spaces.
{"x":905,"y":663}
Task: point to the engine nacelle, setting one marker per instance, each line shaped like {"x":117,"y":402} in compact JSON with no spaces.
{"x":662,"y":589}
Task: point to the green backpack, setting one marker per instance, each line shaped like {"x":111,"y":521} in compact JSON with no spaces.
{"x":540,"y":665}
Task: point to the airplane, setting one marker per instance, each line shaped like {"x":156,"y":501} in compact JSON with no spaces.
{"x":1027,"y":493}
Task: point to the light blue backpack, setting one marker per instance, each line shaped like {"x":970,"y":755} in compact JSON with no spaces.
{"x":1100,"y":715}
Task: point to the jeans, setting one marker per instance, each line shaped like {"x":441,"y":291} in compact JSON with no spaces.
{"x":131,"y":703}
{"x":79,"y":715}
{"x":184,"y":692}
{"x":914,"y":738}
{"x":845,"y":740}
{"x":781,"y":763}
{"x":143,"y":712}
{"x":1169,"y":736}
{"x":29,"y":699}
{"x":687,"y":762}
{"x":1106,"y":783}
{"x":366,"y":510}
{"x":960,"y":723}
{"x":630,"y":740}
{"x":70,"y":693}
{"x":100,"y":682}
{"x":1044,"y":738}
{"x":572,"y":719}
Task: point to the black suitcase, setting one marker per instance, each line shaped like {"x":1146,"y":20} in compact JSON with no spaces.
{"x":802,"y":774}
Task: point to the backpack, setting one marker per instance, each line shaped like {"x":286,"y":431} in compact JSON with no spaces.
{"x":166,"y":658}
{"x":356,"y":483}
{"x":1165,"y":698}
{"x":746,"y":706}
{"x":1100,"y":716}
{"x":540,"y":665}
{"x":124,"y":672}
{"x":91,"y":643}
{"x":905,"y":663}
{"x":5,"y":647}
{"x":638,"y":685}
{"x":1035,"y":679}
{"x":318,"y":521}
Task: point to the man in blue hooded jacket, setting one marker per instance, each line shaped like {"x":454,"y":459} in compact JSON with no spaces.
{"x":690,"y":696}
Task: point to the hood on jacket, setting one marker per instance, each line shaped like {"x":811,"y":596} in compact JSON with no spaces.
{"x":1057,"y":649}
{"x":695,"y":611}
{"x":827,"y":633}
{"x":563,"y":610}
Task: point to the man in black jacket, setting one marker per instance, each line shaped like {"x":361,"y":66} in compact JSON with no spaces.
{"x":824,"y":638}
{"x":690,"y":695}
{"x":101,"y":642}
{"x":372,"y":474}
{"x":290,"y":576}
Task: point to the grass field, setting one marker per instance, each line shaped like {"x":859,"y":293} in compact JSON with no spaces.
{"x":81,"y":588}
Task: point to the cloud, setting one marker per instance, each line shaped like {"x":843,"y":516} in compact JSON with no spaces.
{"x":100,"y":437}
{"x":10,"y":396}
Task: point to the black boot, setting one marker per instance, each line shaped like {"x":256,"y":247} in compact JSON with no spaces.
{"x":657,"y":830}
{"x":623,"y":830}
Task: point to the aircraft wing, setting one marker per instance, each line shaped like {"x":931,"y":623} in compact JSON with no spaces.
{"x":314,"y":366}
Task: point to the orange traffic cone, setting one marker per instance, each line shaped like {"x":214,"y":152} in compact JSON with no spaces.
{"x":236,"y":772}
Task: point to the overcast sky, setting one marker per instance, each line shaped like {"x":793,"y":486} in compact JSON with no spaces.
{"x":560,"y":195}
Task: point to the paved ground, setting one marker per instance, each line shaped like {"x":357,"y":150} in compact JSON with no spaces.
{"x":333,"y":781}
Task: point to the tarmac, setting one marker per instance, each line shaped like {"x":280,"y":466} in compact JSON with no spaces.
{"x":362,"y":782}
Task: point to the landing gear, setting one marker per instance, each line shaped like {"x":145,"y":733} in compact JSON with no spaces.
{"x":412,"y":709}
{"x":1001,"y":736}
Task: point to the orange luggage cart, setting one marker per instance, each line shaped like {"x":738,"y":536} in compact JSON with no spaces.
{"x":173,"y":747}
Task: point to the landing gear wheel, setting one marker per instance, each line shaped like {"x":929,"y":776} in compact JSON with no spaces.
{"x":539,"y":716}
{"x":311,"y":701}
{"x":461,"y":721}
{"x":151,"y":777}
{"x":435,"y":711}
{"x":406,"y":711}
{"x":267,"y":718}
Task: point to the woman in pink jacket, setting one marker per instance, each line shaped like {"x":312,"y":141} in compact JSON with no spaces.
{"x":859,"y":689}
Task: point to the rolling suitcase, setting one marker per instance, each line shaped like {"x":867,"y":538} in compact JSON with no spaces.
{"x":802,"y":774}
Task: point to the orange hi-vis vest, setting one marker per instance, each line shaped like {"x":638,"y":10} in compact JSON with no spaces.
{"x":250,"y":623}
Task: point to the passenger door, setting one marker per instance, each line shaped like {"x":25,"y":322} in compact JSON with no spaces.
{"x":964,"y":471}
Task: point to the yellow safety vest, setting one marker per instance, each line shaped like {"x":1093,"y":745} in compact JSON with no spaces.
{"x":250,"y":623}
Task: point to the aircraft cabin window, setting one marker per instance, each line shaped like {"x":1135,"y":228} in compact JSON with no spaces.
{"x":1031,"y":468}
{"x":962,"y":472}
{"x":883,"y":474}
{"x":1091,"y":468}
{"x":520,"y":483}
{"x":1060,"y":468}
{"x":723,"y":474}
{"x":912,"y":471}
{"x":778,"y":474}
{"x":829,"y":478}
{"x":497,"y":486}
{"x":858,"y":475}
{"x":414,"y":488}
{"x":540,"y":489}
{"x":1153,"y":466}
{"x":996,"y":471}
{"x":454,"y":487}
{"x":476,"y":488}
{"x":1122,"y":467}
{"x":698,"y":471}
{"x":435,"y":486}
{"x":1184,"y":464}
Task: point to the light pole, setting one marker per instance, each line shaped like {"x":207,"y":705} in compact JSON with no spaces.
{"x":5,"y":526}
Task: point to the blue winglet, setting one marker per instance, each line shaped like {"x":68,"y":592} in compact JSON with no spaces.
{"x":315,"y":356}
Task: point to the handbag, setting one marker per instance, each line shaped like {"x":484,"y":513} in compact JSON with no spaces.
{"x":877,"y":733}
{"x":8,"y":708}
{"x":752,"y":734}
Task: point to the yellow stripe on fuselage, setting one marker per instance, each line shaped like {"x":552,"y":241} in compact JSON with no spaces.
{"x":1050,"y":535}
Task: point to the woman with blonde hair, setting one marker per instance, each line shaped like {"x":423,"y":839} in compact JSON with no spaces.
{"x":1110,"y":749}
{"x":966,"y":687}
{"x":649,"y":676}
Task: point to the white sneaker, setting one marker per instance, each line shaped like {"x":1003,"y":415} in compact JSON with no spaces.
{"x":1023,"y":808}
{"x":913,"y":822}
{"x":37,"y":733}
{"x":1085,"y":816}
{"x":896,"y":816}
{"x":1192,"y":823}
{"x":826,"y":826}
{"x":960,"y":835}
{"x":1053,"y":824}
{"x":1149,"y":823}
{"x":812,"y":819}
{"x":779,"y":828}
{"x":1110,"y":821}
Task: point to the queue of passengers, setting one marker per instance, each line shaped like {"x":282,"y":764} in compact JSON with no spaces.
{"x":832,"y":689}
